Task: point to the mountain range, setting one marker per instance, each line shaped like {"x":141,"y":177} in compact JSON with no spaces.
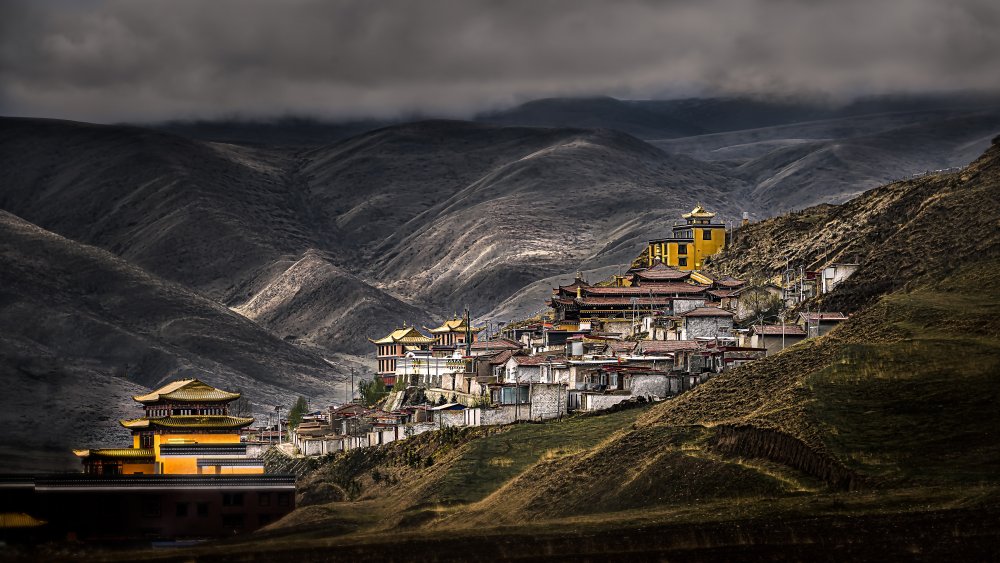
{"x":266,"y":254}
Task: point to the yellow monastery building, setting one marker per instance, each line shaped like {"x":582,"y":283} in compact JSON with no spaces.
{"x":690,"y":243}
{"x":186,"y":430}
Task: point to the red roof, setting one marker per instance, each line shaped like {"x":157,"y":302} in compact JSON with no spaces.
{"x":537,"y":359}
{"x":787,"y":330}
{"x":646,"y":289}
{"x":730,"y":282}
{"x":661,"y":271}
{"x":592,"y":301}
{"x":721,"y":293}
{"x":499,"y":357}
{"x":707,"y":312}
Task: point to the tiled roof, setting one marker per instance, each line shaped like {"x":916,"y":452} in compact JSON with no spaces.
{"x":189,"y":421}
{"x":501,"y":358}
{"x":659,"y":346}
{"x":728,"y":281}
{"x":707,"y":312}
{"x":118,"y":453}
{"x":622,"y":346}
{"x":823,"y":316}
{"x":187,"y":390}
{"x":721,"y":293}
{"x":787,"y":330}
{"x":496,"y":344}
{"x":646,"y":289}
{"x":405,"y":335}
{"x":453,"y":325}
{"x":19,"y":520}
{"x":595,"y":301}
{"x":660,"y":271}
{"x":699,"y":212}
{"x":537,"y":359}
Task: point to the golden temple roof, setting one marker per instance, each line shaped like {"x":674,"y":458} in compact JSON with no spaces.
{"x":187,"y":390}
{"x":699,"y":212}
{"x":19,"y":520}
{"x":405,"y":335}
{"x":188,"y":421}
{"x":120,"y":453}
{"x":453,"y":325}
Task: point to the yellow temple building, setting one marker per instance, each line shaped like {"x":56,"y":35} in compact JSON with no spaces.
{"x":453,"y":332}
{"x":689,"y":244}
{"x":394,"y":346}
{"x":186,"y":430}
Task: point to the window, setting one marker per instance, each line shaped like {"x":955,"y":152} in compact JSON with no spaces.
{"x":182,"y":509}
{"x":232,"y":499}
{"x":202,"y":509}
{"x":284,"y":499}
{"x":264,"y":499}
{"x":682,"y":249}
{"x":682,"y":261}
{"x":232,"y":520}
{"x":150,"y":507}
{"x":706,"y":234}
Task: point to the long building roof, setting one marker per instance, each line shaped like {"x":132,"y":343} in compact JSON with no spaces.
{"x":187,"y":390}
{"x":118,"y":453}
{"x":188,"y":422}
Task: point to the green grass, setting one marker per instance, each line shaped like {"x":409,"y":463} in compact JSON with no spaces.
{"x":487,"y":463}
{"x":924,"y":409}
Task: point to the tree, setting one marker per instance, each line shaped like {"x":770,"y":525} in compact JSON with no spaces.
{"x":757,"y":302}
{"x":298,"y":410}
{"x":372,"y":390}
{"x":441,"y":400}
{"x":241,"y":406}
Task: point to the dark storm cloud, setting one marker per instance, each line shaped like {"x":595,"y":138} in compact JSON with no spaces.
{"x":121,"y":60}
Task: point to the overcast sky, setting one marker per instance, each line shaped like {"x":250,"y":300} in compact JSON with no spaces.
{"x":112,"y":60}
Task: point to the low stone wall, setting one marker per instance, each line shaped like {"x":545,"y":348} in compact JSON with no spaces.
{"x":600,"y":401}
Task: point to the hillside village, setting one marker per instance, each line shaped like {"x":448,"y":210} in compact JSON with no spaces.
{"x":661,"y":328}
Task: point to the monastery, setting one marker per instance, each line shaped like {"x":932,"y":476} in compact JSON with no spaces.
{"x":186,"y":430}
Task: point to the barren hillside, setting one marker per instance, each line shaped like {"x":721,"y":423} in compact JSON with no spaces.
{"x":80,"y":329}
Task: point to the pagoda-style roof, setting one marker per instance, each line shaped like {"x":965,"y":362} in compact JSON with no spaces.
{"x":10,"y":520}
{"x":202,"y":422}
{"x":453,"y":325}
{"x":699,"y":212}
{"x":661,"y":272}
{"x":405,"y":335}
{"x":188,"y":390}
{"x":118,"y":453}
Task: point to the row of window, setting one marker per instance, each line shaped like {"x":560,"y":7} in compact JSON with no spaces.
{"x":162,"y":412}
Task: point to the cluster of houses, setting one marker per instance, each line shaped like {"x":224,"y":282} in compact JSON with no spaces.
{"x":658,"y":330}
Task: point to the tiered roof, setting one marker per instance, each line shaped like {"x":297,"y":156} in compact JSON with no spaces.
{"x":453,"y":325}
{"x":118,"y":453}
{"x":699,"y":212}
{"x":661,"y":272}
{"x":647,"y":289}
{"x":189,"y":391}
{"x":188,"y":422}
{"x":405,"y":335}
